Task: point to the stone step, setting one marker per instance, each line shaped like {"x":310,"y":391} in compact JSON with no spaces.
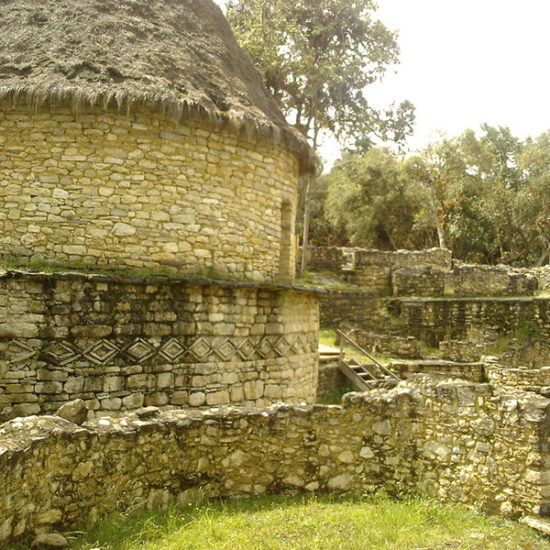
{"x":537,"y":522}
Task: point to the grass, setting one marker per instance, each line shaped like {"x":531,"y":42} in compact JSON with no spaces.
{"x":336,"y":394}
{"x":323,"y":279}
{"x":311,"y":522}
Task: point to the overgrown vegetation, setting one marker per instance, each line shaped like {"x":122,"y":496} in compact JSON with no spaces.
{"x":311,"y":522}
{"x":485,"y":196}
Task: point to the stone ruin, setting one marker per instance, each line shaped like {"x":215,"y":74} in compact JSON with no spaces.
{"x":119,"y":158}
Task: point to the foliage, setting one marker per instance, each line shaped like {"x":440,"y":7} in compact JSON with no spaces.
{"x":369,"y":200}
{"x":486,"y":197}
{"x":317,"y":58}
{"x":312,"y":522}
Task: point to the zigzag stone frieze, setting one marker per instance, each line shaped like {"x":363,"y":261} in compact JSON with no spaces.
{"x":202,"y":349}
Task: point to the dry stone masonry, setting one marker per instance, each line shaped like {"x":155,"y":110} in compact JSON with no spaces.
{"x":121,"y":342}
{"x":140,"y":191}
{"x":453,"y":440}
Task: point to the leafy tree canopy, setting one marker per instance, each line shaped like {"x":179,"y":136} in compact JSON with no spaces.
{"x":487,"y":198}
{"x":317,"y":58}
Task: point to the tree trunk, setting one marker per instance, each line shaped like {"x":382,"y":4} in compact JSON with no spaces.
{"x":305,"y":234}
{"x":439,"y":228}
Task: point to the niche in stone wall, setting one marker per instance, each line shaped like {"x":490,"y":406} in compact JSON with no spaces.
{"x":285,"y":254}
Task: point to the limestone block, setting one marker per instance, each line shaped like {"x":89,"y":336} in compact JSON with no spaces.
{"x":216,"y":398}
{"x":133,"y":401}
{"x":75,"y":411}
{"x":46,"y":541}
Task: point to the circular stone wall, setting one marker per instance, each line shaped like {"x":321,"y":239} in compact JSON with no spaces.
{"x":120,"y":343}
{"x":112,"y":190}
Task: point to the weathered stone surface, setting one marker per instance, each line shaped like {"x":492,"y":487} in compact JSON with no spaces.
{"x":46,"y":541}
{"x":75,"y":411}
{"x":188,"y":196}
{"x":129,"y":341}
{"x":420,"y":437}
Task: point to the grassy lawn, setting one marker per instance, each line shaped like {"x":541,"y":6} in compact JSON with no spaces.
{"x":311,"y":522}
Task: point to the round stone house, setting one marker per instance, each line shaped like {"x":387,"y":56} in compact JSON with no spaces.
{"x":136,"y":134}
{"x":139,"y":134}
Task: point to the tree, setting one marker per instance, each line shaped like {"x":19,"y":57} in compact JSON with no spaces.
{"x":370,"y":200}
{"x":317,"y":59}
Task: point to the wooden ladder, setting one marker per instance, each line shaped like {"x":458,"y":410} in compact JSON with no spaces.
{"x":362,"y":374}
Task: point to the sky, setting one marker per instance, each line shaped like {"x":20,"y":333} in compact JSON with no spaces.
{"x":465,"y":63}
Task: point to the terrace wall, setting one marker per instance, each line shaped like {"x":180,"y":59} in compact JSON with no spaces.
{"x":449,"y":439}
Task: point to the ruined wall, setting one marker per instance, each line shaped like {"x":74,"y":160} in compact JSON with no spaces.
{"x":474,"y":371}
{"x":120,"y":343}
{"x":436,"y":319}
{"x":417,"y":259}
{"x":532,"y":353}
{"x":138,"y":191}
{"x":464,"y":350}
{"x":464,"y":280}
{"x":354,"y":307}
{"x":372,"y":269}
{"x":452,"y":440}
{"x":332,"y":258}
{"x":537,"y":380}
{"x":391,"y":343}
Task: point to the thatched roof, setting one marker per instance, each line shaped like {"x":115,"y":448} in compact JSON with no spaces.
{"x":174,"y":56}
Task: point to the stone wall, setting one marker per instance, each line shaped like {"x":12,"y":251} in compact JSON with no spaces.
{"x":391,"y":343}
{"x":372,"y":269}
{"x":106,"y":189}
{"x":331,"y":381}
{"x":464,"y":280}
{"x":464,"y":350}
{"x":532,"y":353}
{"x":449,"y":439}
{"x":437,"y":319}
{"x":418,"y":259}
{"x":474,"y":371}
{"x":537,"y":380}
{"x":123,"y":342}
{"x":353,"y":307}
{"x":422,"y":282}
{"x":331,"y":258}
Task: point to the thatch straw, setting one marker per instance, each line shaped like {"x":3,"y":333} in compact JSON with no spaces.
{"x":177,"y":57}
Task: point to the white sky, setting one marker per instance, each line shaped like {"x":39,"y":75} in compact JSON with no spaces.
{"x":468,"y":62}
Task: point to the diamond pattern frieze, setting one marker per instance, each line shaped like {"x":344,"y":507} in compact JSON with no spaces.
{"x":226,"y":350}
{"x":281,"y":346}
{"x":20,"y":352}
{"x":171,"y":350}
{"x":61,"y":353}
{"x":101,"y":352}
{"x":246,"y":349}
{"x":201,"y":349}
{"x":140,"y":350}
{"x":265,"y":348}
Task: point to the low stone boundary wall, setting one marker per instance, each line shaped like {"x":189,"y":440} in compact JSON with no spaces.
{"x":464,"y":350}
{"x":436,"y":319}
{"x":464,"y":280}
{"x":353,"y":307}
{"x":120,"y":343}
{"x":389,"y":343}
{"x":417,"y":259}
{"x":537,"y":380}
{"x":449,"y":439}
{"x":474,"y":372}
{"x":372,"y":269}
